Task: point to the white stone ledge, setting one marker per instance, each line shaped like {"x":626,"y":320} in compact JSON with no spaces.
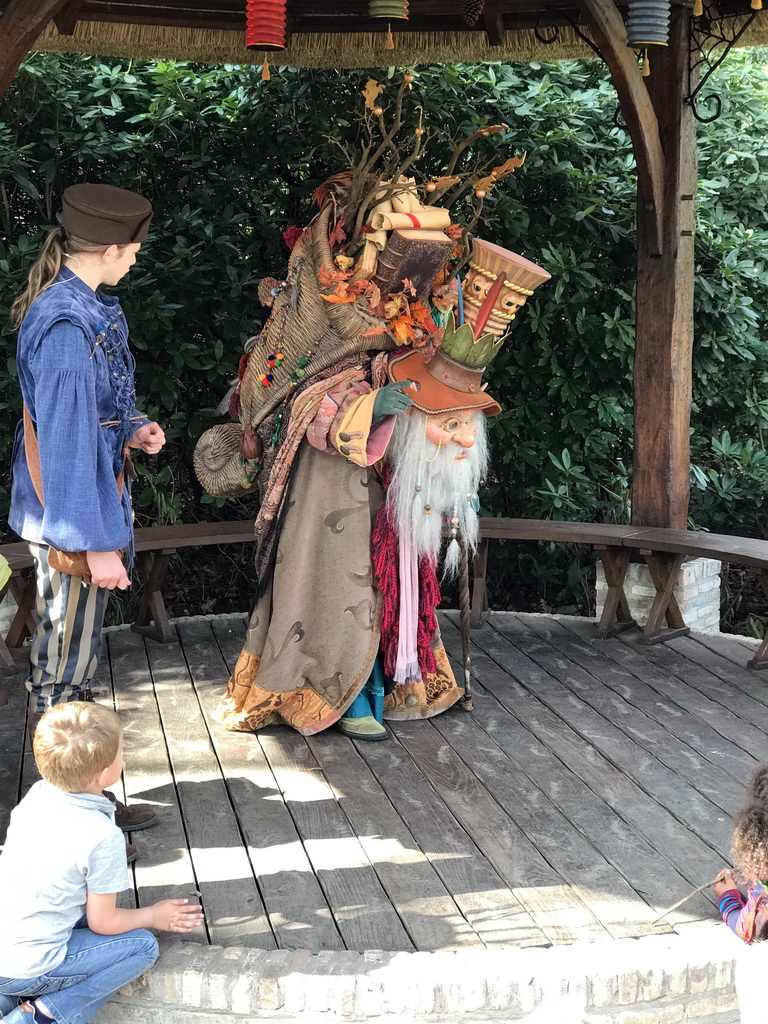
{"x":652,"y":980}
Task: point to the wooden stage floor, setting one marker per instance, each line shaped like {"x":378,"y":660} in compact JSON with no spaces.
{"x":592,"y":786}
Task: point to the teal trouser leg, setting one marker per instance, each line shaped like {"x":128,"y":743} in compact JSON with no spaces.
{"x":370,"y":700}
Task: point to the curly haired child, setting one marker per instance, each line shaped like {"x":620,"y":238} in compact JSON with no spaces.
{"x":747,"y":916}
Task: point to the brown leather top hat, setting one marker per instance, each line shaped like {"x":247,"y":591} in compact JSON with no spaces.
{"x":105,"y":214}
{"x":445,"y":385}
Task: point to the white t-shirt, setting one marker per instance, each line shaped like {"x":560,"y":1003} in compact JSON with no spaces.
{"x":60,"y":846}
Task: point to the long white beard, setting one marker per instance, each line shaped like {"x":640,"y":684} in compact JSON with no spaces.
{"x":449,"y":487}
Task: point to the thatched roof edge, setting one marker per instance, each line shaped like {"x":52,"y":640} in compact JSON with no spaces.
{"x":326,"y":50}
{"x":320,"y":50}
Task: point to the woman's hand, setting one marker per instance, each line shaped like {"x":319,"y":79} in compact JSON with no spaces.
{"x":107,"y":570}
{"x":176,"y":916}
{"x":726,"y":881}
{"x":150,"y":438}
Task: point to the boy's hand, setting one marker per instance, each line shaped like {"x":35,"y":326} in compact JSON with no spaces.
{"x":726,"y":881}
{"x":150,"y":438}
{"x":176,"y":916}
{"x":107,"y":570}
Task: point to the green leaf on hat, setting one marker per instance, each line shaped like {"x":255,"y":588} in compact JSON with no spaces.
{"x":459,"y":343}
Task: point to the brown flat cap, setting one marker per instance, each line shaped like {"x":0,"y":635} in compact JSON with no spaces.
{"x":105,"y":214}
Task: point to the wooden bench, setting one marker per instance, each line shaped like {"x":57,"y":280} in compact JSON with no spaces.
{"x":662,"y":550}
{"x":155,"y":545}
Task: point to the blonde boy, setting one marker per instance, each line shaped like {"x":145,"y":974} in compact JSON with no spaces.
{"x":65,"y":946}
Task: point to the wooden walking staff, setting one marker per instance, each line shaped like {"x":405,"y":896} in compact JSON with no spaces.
{"x":464,"y":610}
{"x":690,"y":896}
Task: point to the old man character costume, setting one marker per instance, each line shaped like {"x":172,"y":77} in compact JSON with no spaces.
{"x":363,"y":425}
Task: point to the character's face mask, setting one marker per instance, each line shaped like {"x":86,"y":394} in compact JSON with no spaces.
{"x":454,"y":429}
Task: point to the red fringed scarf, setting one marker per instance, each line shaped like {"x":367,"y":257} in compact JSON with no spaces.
{"x":385,"y":566}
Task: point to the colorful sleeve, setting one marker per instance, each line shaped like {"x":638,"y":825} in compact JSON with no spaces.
{"x":344,"y":424}
{"x":355,"y":435}
{"x":732,"y":906}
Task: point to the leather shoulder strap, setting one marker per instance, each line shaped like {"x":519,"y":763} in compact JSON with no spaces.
{"x":32,"y":452}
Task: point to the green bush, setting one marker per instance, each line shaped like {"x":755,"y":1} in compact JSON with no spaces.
{"x":230,"y":161}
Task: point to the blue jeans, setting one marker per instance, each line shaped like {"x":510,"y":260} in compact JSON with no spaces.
{"x":95,"y":967}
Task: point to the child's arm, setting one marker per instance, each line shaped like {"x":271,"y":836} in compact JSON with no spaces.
{"x":731,"y":903}
{"x":106,"y":918}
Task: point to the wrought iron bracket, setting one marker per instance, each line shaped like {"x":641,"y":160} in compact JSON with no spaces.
{"x":543,"y":24}
{"x":713,"y":36}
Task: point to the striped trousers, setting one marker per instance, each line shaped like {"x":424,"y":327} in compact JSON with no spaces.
{"x":67,"y":642}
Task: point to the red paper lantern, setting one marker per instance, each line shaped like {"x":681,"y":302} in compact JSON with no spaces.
{"x":265,"y":22}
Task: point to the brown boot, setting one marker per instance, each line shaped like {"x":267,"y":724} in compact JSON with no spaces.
{"x":131,"y":819}
{"x":130,"y":853}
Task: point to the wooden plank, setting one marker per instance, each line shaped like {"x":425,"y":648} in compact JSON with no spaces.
{"x":734,"y":646}
{"x":20,"y":25}
{"x":607,"y":28}
{"x":484,"y":899}
{"x":67,"y":18}
{"x":428,"y":911}
{"x":103,"y":690}
{"x":542,"y":891}
{"x":735,"y":678}
{"x":664,"y":302}
{"x":184,"y":535}
{"x":667,"y":771}
{"x":671,"y":718}
{"x":298,"y":911}
{"x":722,"y":721}
{"x":700,"y":544}
{"x":164,"y":866}
{"x":234,"y":910}
{"x":360,"y":906}
{"x":598,"y":884}
{"x":651,"y":875}
{"x":664,"y":570}
{"x":555,"y":530}
{"x":494,"y":23}
{"x":742,"y":691}
{"x":13,"y":716}
{"x":525,"y":694}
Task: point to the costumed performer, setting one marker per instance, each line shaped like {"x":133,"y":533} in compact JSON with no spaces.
{"x":364,"y":458}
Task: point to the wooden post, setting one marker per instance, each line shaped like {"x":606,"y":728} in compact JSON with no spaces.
{"x":21,"y":23}
{"x":664,"y":332}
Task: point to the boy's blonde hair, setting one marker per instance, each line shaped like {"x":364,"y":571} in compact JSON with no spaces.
{"x":74,"y":742}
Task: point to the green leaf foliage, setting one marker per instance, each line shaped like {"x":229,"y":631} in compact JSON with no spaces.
{"x":230,"y":162}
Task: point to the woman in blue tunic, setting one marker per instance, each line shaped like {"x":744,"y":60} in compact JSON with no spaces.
{"x":76,"y":377}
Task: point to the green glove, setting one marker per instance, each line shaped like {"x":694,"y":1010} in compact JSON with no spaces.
{"x":391,"y":400}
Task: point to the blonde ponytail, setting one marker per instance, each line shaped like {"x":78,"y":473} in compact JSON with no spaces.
{"x":47,"y":266}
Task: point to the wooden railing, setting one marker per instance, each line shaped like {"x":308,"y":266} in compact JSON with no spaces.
{"x":662,"y":550}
